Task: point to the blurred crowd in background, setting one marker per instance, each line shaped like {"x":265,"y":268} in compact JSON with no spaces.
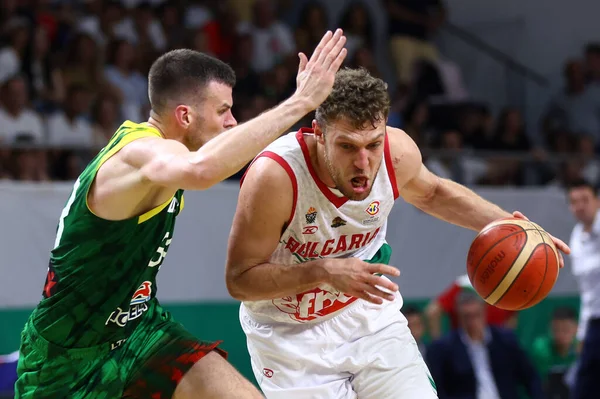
{"x":72,"y":71}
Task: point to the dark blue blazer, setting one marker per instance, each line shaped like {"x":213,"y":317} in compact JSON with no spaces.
{"x":453,"y":373}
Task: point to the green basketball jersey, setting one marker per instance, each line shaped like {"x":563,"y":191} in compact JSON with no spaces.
{"x":102,"y":274}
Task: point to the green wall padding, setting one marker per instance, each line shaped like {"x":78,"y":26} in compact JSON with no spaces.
{"x":219,"y":321}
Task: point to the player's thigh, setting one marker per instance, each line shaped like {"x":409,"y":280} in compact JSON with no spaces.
{"x":392,"y":366}
{"x":158,"y":357}
{"x":213,"y":377}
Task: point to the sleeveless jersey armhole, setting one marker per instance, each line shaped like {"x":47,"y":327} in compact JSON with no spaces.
{"x":286,"y":166}
{"x":127,"y":133}
{"x":390,"y":166}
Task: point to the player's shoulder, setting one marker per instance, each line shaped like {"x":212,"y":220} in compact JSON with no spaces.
{"x":269,"y":171}
{"x":404,"y":152}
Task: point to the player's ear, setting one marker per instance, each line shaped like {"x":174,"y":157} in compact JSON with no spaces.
{"x":318,"y":131}
{"x":183,"y":116}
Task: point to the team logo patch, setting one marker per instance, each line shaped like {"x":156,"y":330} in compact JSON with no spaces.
{"x":268,"y":372}
{"x":311,"y":215}
{"x":337,"y":222}
{"x":142,"y":294}
{"x":310,"y":230}
{"x":373,"y":208}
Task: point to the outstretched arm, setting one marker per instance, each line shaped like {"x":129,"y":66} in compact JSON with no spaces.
{"x":170,"y":164}
{"x":443,"y":198}
{"x":439,"y":197}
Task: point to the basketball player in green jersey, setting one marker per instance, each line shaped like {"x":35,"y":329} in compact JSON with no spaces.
{"x":99,"y":331}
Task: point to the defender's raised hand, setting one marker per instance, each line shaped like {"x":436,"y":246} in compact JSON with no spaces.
{"x":316,"y":76}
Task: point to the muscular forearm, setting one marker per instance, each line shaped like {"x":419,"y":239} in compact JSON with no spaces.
{"x":227,"y":153}
{"x":458,"y":205}
{"x":270,"y":281}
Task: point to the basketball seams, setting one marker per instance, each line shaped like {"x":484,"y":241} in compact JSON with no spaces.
{"x":500,"y":289}
{"x":482,"y":257}
{"x":521,"y":271}
{"x":546,"y":249}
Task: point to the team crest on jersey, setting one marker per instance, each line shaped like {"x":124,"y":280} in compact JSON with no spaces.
{"x":337,"y":222}
{"x":311,"y":215}
{"x":373,"y":208}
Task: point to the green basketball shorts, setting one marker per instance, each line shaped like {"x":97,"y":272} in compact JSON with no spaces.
{"x":148,"y":364}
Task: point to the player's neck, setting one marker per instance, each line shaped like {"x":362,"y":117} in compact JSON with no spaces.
{"x":317,"y":158}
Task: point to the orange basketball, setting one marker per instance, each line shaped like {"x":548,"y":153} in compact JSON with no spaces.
{"x":512,"y":264}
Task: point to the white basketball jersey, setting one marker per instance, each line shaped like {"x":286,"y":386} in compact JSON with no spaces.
{"x":323,"y":223}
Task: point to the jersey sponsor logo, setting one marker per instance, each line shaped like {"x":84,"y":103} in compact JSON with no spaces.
{"x":121,"y":317}
{"x":371,"y":220}
{"x":317,"y":249}
{"x":313,"y":304}
{"x":268,"y":372}
{"x":338,"y":222}
{"x":142,"y":294}
{"x":310,"y":229}
{"x":137,"y":306}
{"x":373,"y":208}
{"x":117,"y":344}
{"x":311,"y":215}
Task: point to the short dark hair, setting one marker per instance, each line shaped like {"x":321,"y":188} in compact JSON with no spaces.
{"x":468,"y":296}
{"x":357,"y":97}
{"x":183,"y":72}
{"x":564,"y":313}
{"x":581,"y":183}
{"x":411,"y":311}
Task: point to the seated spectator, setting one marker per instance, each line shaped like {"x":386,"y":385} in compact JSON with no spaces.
{"x":46,"y":86}
{"x":411,"y":26}
{"x":102,"y":27}
{"x":510,"y":132}
{"x":82,"y":64}
{"x":445,"y":303}
{"x":357,"y":23}
{"x":273,"y":41}
{"x":312,"y":23}
{"x":11,"y":56}
{"x":479,"y":361}
{"x":456,"y":164}
{"x":575,"y":108}
{"x":16,"y":119}
{"x":130,"y":85}
{"x":416,"y":324}
{"x":555,"y":353}
{"x":69,"y":126}
{"x":591,"y":167}
{"x":105,"y":120}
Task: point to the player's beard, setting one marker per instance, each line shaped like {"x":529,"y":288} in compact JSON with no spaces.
{"x":341,"y":184}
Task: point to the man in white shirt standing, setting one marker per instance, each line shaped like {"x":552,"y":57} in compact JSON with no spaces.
{"x":585,"y":255}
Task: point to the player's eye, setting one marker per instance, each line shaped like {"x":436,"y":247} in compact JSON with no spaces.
{"x":373,"y":146}
{"x":346,"y":146}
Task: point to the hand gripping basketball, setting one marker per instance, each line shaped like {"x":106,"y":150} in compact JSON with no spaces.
{"x":357,"y":278}
{"x":513,"y":263}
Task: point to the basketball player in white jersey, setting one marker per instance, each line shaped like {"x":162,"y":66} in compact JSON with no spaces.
{"x":308,"y":242}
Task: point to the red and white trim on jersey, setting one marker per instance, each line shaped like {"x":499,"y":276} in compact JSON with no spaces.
{"x":286,"y":167}
{"x":323,"y":223}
